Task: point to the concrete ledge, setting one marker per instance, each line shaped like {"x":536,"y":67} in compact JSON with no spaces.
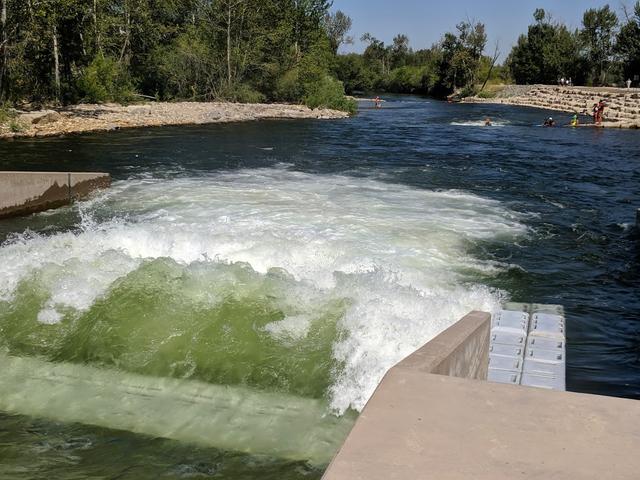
{"x":460,"y":351}
{"x":22,"y":193}
{"x":431,"y":426}
{"x":422,"y":424}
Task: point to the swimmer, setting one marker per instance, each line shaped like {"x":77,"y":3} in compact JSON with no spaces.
{"x":574,"y":120}
{"x":549,"y":122}
{"x":487,"y":122}
{"x":377,"y":102}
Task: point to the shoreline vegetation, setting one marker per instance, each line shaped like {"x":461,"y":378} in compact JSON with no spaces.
{"x":109,"y":117}
{"x":88,"y":60}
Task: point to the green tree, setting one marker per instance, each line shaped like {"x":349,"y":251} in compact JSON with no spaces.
{"x":598,"y":34}
{"x":628,"y":44}
{"x":546,"y":53}
{"x":338,"y":26}
{"x":461,"y":56}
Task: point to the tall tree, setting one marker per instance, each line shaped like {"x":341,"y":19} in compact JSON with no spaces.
{"x":338,"y":25}
{"x":628,"y":44}
{"x":546,"y":53}
{"x":598,"y":35}
{"x":4,"y":45}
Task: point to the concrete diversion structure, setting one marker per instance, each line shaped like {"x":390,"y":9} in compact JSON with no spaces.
{"x":434,"y":416}
{"x":22,"y":193}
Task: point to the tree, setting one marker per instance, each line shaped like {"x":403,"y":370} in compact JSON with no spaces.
{"x":546,"y":53}
{"x":598,"y":34}
{"x":338,"y":26}
{"x":628,"y":44}
{"x":399,"y":51}
{"x":376,"y":52}
{"x":461,"y":55}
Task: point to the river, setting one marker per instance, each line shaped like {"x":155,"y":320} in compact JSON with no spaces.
{"x":305,"y":258}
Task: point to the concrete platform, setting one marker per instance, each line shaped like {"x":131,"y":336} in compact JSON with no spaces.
{"x":23,"y":193}
{"x":422,"y":425}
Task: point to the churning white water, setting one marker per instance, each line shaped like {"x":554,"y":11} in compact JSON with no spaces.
{"x":399,"y":254}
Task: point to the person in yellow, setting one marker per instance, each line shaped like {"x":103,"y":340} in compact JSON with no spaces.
{"x":574,"y":120}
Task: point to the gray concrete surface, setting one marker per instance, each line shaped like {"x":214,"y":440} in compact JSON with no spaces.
{"x":421,"y":425}
{"x":22,"y":193}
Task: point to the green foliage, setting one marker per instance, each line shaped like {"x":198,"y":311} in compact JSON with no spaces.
{"x":545,"y":54}
{"x":327,"y":92}
{"x":598,"y":38}
{"x":105,"y":50}
{"x":406,"y":79}
{"x":487,"y":94}
{"x":6,"y":114}
{"x":628,"y":45}
{"x":356,"y":75}
{"x":15,"y":126}
{"x":104,"y":80}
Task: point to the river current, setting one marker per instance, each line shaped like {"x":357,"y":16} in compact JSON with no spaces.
{"x":307,"y":257}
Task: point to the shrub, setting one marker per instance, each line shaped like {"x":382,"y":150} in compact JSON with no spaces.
{"x":487,"y":94}
{"x":105,"y":80}
{"x":289,"y":87}
{"x":15,"y":126}
{"x":6,"y":114}
{"x":328,"y":92}
{"x":468,"y":91}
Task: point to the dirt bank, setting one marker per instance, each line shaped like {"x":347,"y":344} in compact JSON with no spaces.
{"x":92,"y":118}
{"x":623,"y":105}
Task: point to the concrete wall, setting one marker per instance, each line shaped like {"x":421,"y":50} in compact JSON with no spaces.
{"x":623,"y":105}
{"x":22,"y":193}
{"x":460,"y":351}
{"x":421,"y":425}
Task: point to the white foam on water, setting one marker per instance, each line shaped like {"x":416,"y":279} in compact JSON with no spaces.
{"x":480,"y":123}
{"x":399,"y":254}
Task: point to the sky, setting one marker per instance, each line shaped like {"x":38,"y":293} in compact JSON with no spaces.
{"x":425,"y":21}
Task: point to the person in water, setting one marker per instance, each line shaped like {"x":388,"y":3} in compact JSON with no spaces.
{"x":487,"y":122}
{"x":377,"y":102}
{"x":549,"y":122}
{"x":574,"y":120}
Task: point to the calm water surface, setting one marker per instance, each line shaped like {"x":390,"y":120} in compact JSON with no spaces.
{"x":385,"y":227}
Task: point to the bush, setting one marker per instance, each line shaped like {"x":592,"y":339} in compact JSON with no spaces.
{"x":104,"y":80}
{"x":329,"y":93}
{"x":487,"y":94}
{"x":15,"y":126}
{"x":241,"y":93}
{"x":6,"y":114}
{"x":289,"y":87}
{"x":468,"y":91}
{"x":406,"y":79}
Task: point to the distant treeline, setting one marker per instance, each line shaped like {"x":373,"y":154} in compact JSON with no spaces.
{"x":605,"y":50}
{"x":68,"y":51}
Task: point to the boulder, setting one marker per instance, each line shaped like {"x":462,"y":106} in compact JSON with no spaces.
{"x":46,"y":117}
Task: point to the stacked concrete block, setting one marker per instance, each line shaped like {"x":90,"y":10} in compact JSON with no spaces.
{"x":527,"y":346}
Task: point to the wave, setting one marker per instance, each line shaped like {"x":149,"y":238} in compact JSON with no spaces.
{"x":309,"y":284}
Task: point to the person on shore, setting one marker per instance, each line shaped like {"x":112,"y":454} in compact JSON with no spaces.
{"x":595,"y":113}
{"x":549,"y":122}
{"x":600,"y":112}
{"x":628,"y":83}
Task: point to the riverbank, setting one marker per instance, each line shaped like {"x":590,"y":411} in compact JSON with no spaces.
{"x":108,"y":117}
{"x":623,"y":105}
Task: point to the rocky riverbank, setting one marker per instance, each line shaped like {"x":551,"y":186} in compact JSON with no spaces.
{"x":623,"y":105}
{"x":107,"y":117}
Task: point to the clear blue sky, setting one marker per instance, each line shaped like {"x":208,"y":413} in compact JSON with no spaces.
{"x":424,"y":21}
